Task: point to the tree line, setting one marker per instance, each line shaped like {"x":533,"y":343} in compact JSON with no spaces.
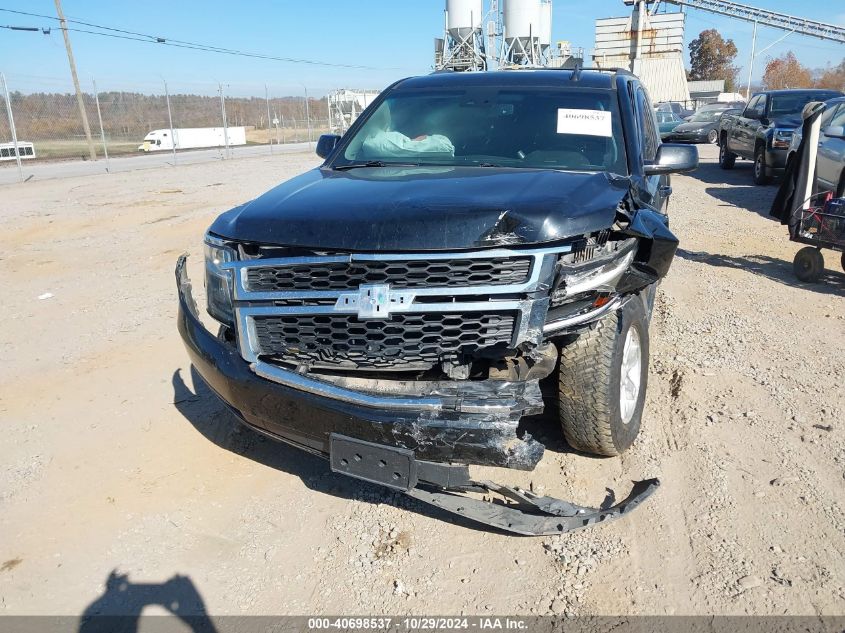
{"x":712,"y":58}
{"x":50,"y":115}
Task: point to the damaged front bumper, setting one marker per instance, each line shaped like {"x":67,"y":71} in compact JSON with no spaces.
{"x":471,"y":422}
{"x":419,"y":444}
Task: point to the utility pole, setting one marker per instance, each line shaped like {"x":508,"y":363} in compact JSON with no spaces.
{"x":225,"y":123}
{"x":100,"y":119}
{"x":307,"y":115}
{"x":91,"y":153}
{"x":170,"y":119}
{"x":751,"y":63}
{"x":269,"y":128}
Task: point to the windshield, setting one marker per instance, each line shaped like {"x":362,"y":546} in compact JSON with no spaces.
{"x":793,"y":103}
{"x":569,"y":129}
{"x":706,"y":116}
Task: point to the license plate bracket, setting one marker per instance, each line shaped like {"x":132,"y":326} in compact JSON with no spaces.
{"x":386,"y":465}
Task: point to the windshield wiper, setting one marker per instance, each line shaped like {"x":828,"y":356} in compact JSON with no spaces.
{"x":373,"y":163}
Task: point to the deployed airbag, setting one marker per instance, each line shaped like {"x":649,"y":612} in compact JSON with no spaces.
{"x":395,"y":144}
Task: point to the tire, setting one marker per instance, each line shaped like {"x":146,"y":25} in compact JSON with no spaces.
{"x":760,"y":168}
{"x":599,"y":411}
{"x":713,"y":137}
{"x":808,"y":264}
{"x":727,"y":159}
{"x":842,"y":261}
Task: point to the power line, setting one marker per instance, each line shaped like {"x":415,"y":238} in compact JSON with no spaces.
{"x":154,"y":39}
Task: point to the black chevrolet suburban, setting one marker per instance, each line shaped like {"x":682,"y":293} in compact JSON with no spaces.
{"x":471,"y":237}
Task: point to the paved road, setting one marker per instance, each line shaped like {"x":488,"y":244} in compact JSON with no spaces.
{"x":35,"y":170}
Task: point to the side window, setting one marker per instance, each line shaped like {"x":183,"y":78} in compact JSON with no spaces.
{"x":836,"y":119}
{"x":829,"y":113}
{"x":761,"y":106}
{"x":648,"y":127}
{"x":752,"y":105}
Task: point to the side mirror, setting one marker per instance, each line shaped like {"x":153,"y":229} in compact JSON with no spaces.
{"x":834,"y":131}
{"x":672,"y":158}
{"x":326,"y":144}
{"x":751,"y":114}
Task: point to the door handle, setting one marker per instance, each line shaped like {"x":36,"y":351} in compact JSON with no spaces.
{"x":664,"y":190}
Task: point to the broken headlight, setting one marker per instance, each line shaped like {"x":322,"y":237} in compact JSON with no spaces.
{"x":782,"y":138}
{"x":597,"y":273}
{"x":218,"y":282}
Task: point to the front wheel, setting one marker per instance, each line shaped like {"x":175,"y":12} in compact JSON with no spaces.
{"x":727,"y":159}
{"x":761,"y":176}
{"x":842,"y":261}
{"x":809,"y":264}
{"x":712,"y":137}
{"x":602,"y":382}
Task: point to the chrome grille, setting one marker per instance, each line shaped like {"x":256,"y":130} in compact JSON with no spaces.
{"x":416,"y":273}
{"x":385,"y":310}
{"x":405,"y":341}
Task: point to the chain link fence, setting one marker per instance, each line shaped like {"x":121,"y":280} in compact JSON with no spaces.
{"x":48,"y":126}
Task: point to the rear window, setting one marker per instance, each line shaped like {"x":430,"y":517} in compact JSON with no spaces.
{"x":794,"y":102}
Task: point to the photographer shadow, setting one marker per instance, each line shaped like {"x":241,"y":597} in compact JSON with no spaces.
{"x":120,"y":608}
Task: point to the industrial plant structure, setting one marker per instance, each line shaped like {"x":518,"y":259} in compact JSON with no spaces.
{"x":520,"y":35}
{"x":345,"y":105}
{"x":649,"y":45}
{"x":462,"y":47}
{"x":648,"y":42}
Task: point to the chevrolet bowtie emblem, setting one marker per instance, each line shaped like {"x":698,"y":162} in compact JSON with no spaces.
{"x":374,"y":301}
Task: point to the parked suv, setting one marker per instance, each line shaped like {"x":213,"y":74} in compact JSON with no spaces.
{"x":763,"y":131}
{"x":472,"y":234}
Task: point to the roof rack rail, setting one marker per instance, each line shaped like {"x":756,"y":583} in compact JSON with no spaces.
{"x":609,"y":69}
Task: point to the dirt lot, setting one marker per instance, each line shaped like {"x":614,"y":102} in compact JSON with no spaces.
{"x":116,"y":461}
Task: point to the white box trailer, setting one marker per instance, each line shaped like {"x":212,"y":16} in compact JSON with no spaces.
{"x":192,"y":138}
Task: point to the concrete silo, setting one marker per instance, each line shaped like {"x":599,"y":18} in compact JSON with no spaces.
{"x":545,"y":27}
{"x":462,"y":47}
{"x":521,"y":26}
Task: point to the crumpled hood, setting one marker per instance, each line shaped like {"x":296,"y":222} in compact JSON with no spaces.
{"x":426,"y":208}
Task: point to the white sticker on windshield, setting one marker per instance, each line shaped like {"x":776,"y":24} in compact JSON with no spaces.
{"x":589,"y":122}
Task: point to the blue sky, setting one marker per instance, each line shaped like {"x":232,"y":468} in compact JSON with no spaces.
{"x":393,"y":36}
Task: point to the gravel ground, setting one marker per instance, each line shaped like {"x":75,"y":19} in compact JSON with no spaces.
{"x":125,"y":479}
